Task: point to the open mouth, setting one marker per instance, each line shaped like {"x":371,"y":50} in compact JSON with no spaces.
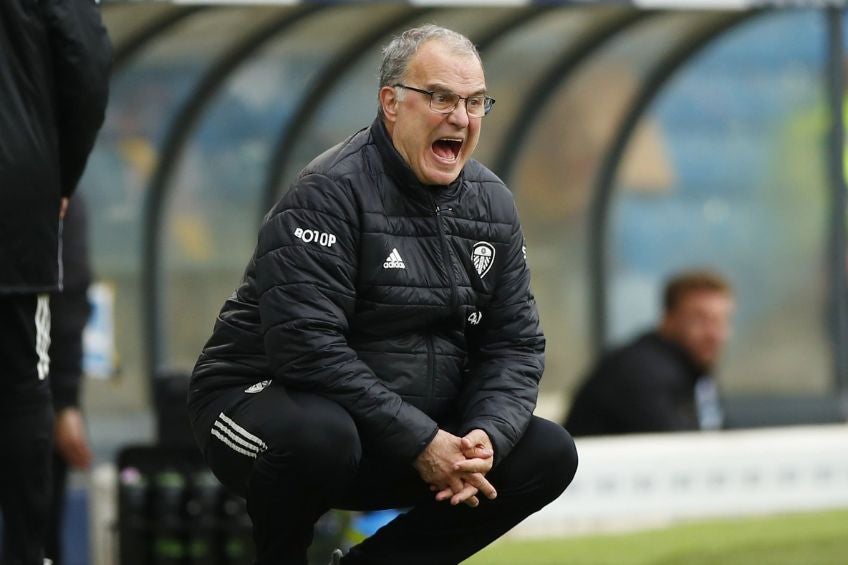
{"x":447,"y":148}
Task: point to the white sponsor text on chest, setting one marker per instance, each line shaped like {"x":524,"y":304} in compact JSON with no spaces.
{"x":315,"y":236}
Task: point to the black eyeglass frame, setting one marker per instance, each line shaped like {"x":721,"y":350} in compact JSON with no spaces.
{"x":488,"y":101}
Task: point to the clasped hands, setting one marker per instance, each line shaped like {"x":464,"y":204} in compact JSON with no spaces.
{"x":455,"y":467}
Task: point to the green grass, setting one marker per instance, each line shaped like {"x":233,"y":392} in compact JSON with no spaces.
{"x":796,"y":539}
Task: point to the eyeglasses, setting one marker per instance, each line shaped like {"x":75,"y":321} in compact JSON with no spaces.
{"x":443,"y":102}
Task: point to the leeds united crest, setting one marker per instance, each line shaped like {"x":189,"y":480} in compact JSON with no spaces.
{"x":483,"y":255}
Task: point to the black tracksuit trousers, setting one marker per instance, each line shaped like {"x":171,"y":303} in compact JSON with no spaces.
{"x":296,"y":455}
{"x":26,"y":427}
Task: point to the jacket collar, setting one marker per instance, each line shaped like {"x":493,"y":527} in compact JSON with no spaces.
{"x":400,"y":172}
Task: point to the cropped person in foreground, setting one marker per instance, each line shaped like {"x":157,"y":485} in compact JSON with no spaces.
{"x":55,"y":58}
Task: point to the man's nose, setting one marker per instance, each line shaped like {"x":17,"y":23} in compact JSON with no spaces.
{"x":459,"y":116}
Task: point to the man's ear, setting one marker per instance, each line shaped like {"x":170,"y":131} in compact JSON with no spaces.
{"x":389,"y":102}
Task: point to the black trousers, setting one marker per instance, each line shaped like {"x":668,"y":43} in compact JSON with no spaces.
{"x":26,"y":427}
{"x":26,"y":441}
{"x":53,"y":538}
{"x":296,"y":455}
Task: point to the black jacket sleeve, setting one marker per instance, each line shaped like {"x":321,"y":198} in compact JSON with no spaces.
{"x":69,"y":312}
{"x":507,"y":357}
{"x":70,"y":309}
{"x":82,"y":57}
{"x":306,"y":268}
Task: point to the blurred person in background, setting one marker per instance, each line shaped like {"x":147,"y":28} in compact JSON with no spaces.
{"x":54,"y":67}
{"x":383,"y":349}
{"x":69,"y":312}
{"x":663,"y":380}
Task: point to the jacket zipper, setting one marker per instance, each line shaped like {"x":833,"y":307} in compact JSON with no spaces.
{"x":431,"y":373}
{"x":446,"y":259}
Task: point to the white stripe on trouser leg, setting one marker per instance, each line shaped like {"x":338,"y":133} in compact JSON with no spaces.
{"x":231,"y":445}
{"x":42,"y":335}
{"x":243,"y":432}
{"x":237,"y":438}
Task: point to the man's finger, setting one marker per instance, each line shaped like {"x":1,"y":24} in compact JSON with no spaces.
{"x":455,"y":485}
{"x":473,"y":466}
{"x":475,"y":451}
{"x":468,"y":490}
{"x":444,"y":494}
{"x":482,"y":485}
{"x":472,"y":501}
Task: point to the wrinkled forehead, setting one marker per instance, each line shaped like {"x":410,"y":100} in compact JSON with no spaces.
{"x":437,"y":64}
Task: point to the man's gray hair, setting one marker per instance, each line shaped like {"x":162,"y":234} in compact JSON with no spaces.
{"x":398,"y":53}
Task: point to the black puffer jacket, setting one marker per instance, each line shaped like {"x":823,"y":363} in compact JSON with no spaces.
{"x":408,"y":305}
{"x":54,"y":75}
